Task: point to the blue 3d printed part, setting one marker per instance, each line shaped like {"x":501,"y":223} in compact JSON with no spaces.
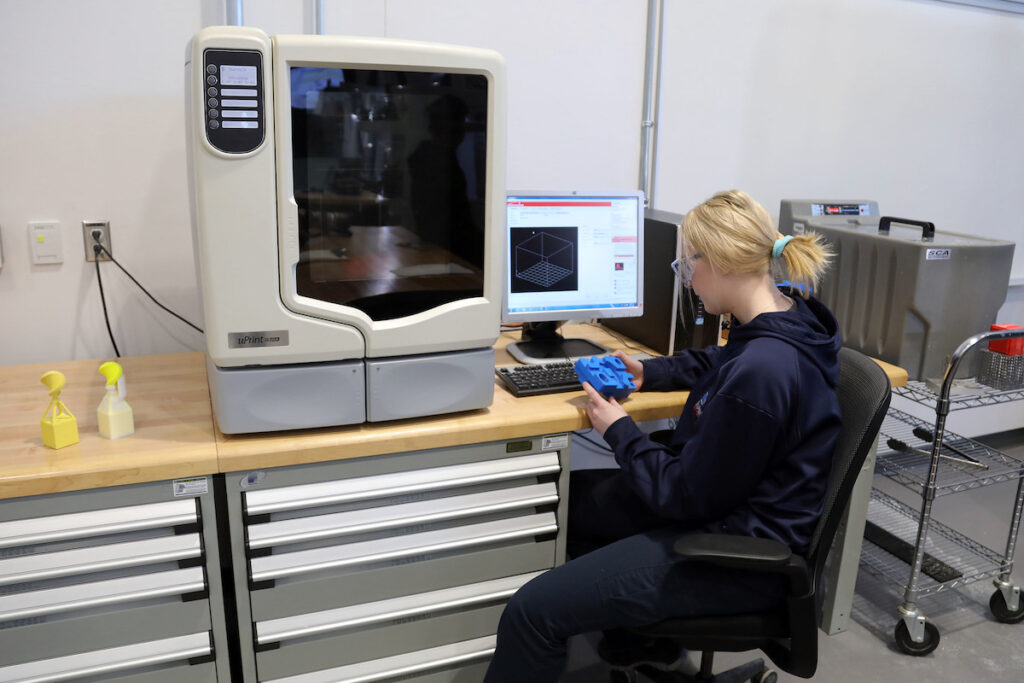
{"x":607,"y":374}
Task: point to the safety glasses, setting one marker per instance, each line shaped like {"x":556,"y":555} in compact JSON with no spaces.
{"x":683,"y":268}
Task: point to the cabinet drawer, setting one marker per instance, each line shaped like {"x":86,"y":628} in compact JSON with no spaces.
{"x":111,"y":660}
{"x":37,"y":530}
{"x":99,"y":558}
{"x":55,"y":636}
{"x":389,"y":610}
{"x":398,"y":483}
{"x":86,"y":595}
{"x":368,"y":520}
{"x":343,"y":589}
{"x":403,"y":546}
{"x":408,"y":664}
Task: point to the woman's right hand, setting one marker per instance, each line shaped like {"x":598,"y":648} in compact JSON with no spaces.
{"x":633,"y":367}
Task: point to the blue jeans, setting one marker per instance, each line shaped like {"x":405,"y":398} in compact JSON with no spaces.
{"x":624,"y":574}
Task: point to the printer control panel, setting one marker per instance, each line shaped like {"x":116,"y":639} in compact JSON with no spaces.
{"x":233,"y":91}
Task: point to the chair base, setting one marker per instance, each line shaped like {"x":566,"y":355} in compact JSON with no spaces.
{"x":754,"y":671}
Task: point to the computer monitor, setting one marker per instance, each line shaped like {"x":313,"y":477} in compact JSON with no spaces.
{"x":570,"y":256}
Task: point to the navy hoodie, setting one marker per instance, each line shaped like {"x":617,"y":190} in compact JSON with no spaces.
{"x":752,"y":450}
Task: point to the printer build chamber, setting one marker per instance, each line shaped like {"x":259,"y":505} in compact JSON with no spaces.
{"x":902,"y":291}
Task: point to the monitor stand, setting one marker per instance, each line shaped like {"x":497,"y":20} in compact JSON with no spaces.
{"x":541,"y":343}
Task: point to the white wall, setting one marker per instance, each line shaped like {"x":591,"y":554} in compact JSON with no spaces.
{"x":913,"y":103}
{"x":92,"y":126}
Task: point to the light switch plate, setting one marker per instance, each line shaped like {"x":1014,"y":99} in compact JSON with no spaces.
{"x":44,"y":240}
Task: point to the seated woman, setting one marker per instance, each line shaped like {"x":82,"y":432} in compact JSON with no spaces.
{"x":750,"y":453}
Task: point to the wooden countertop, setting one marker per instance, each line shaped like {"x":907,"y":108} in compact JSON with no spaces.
{"x":175,"y":435}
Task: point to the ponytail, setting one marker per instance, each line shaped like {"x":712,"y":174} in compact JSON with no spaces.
{"x":800,"y":259}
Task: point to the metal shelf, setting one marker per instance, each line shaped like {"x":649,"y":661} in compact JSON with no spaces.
{"x":973,"y":560}
{"x":966,"y":393}
{"x":911,"y":469}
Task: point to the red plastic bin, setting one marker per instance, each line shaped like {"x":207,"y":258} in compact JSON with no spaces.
{"x":1009,"y":347}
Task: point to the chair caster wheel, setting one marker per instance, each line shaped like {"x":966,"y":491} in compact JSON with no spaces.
{"x":620,"y":676}
{"x":766,"y":676}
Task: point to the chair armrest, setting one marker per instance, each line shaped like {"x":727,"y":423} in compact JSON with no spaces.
{"x":728,"y":550}
{"x":746,"y":552}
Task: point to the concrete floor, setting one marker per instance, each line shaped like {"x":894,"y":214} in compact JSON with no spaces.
{"x":973,"y":646}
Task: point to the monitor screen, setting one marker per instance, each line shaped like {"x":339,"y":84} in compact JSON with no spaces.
{"x":573,"y":255}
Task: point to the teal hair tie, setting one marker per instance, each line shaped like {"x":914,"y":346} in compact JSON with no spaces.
{"x":779,"y":245}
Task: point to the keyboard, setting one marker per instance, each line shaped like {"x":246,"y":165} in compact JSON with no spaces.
{"x":531,"y":380}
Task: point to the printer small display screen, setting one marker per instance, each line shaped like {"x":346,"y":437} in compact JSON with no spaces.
{"x":231,"y":74}
{"x":840,"y":210}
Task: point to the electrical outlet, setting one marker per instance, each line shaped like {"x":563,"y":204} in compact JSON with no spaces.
{"x":90,"y":227}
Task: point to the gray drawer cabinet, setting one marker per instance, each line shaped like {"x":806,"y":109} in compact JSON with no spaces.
{"x":112,"y":584}
{"x":391,"y":566}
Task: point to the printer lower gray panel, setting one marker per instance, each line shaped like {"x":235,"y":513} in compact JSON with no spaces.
{"x":283,"y":397}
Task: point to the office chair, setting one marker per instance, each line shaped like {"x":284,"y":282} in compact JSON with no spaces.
{"x":788,"y":634}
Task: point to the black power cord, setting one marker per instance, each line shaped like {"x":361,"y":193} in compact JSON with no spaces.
{"x":103,"y":300}
{"x":97,"y":249}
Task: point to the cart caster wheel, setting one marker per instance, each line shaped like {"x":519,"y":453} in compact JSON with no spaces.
{"x":619,"y":676}
{"x":766,"y":676}
{"x":905,"y":643}
{"x":1002,"y":613}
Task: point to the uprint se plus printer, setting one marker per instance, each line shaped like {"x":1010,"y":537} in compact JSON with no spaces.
{"x":347,"y":199}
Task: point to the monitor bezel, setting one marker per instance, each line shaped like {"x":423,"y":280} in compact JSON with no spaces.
{"x":582,"y":313}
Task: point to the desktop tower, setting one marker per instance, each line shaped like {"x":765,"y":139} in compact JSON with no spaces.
{"x":660,"y":327}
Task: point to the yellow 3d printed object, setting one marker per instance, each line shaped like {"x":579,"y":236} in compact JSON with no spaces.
{"x":114,"y":415}
{"x":59,"y":426}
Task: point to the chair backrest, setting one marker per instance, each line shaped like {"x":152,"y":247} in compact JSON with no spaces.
{"x":864,"y":394}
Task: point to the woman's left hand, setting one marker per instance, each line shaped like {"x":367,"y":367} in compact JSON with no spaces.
{"x":602,"y":411}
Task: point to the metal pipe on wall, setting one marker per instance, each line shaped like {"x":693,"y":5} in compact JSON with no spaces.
{"x":318,"y":17}
{"x":234,"y":12}
{"x":652,"y":88}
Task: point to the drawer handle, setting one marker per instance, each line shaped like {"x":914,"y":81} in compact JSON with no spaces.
{"x":109,"y":660}
{"x":99,"y":558}
{"x":97,"y":522}
{"x":380,"y":550}
{"x":397,"y":483}
{"x":405,"y":514}
{"x":401,"y":665}
{"x":67,"y":598}
{"x":366,"y":614}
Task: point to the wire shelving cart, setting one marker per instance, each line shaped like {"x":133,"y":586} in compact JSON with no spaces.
{"x":941,"y":558}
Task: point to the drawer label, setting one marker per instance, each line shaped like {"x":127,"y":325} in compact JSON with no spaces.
{"x":549,"y":443}
{"x":938,"y":254}
{"x":192,"y":486}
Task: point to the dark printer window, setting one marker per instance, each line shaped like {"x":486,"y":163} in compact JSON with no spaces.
{"x":390,"y":178}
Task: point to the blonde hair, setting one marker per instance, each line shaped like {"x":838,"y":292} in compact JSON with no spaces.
{"x":735,"y":233}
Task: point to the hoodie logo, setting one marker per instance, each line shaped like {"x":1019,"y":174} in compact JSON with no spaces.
{"x":699,"y":406}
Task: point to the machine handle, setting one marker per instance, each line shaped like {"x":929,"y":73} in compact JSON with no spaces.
{"x":927,"y":227}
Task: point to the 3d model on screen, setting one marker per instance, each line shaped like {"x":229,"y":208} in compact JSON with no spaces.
{"x":544,"y":259}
